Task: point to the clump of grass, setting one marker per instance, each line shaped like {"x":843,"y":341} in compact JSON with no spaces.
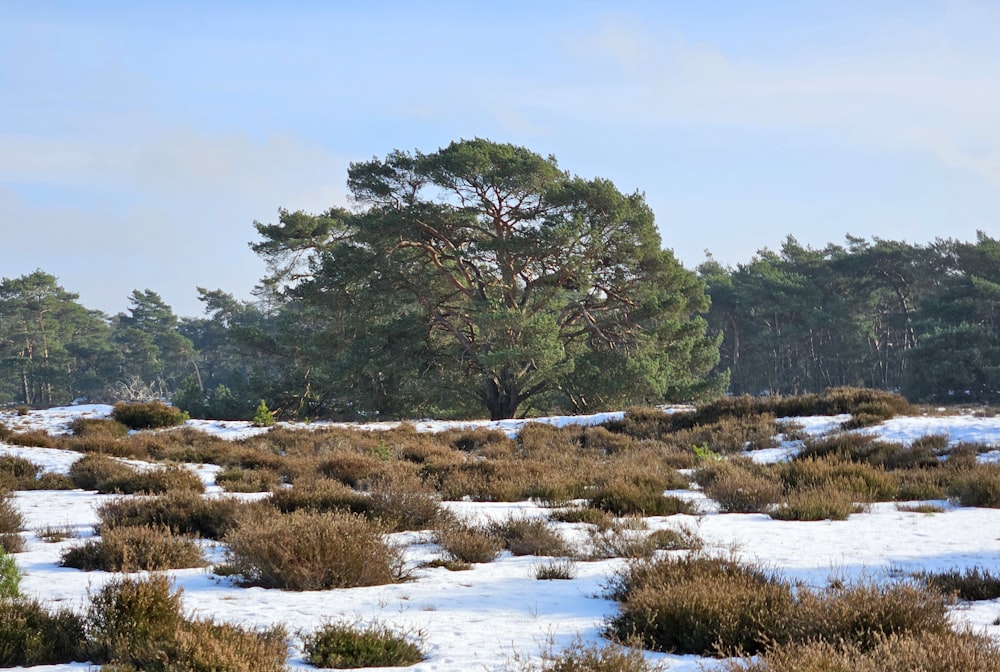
{"x":920,"y":508}
{"x":153,"y":482}
{"x":620,"y":541}
{"x":319,"y":495}
{"x":238,"y":479}
{"x":129,"y":549}
{"x":98,"y":427}
{"x":683,"y":538}
{"x":31,"y":634}
{"x":147,"y":415}
{"x":53,"y":534}
{"x":138,"y":624}
{"x":466,"y":542}
{"x":350,"y":645}
{"x":38,"y":438}
{"x":305,"y":550}
{"x":581,"y":657}
{"x":972,"y":583}
{"x":587,"y":515}
{"x":560,"y":569}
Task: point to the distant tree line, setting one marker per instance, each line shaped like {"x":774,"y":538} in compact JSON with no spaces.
{"x":920,"y":319}
{"x":483,"y":279}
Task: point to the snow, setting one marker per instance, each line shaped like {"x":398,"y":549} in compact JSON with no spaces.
{"x":479,"y":619}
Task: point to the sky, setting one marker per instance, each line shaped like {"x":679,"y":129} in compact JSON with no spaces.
{"x":139,"y":142}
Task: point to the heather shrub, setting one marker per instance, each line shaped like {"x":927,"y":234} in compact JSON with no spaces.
{"x":152,"y":481}
{"x":587,"y":515}
{"x":350,"y":645}
{"x":580,"y":657}
{"x":129,"y":549}
{"x":619,"y":541}
{"x":699,"y":604}
{"x":97,"y":427}
{"x":31,"y":634}
{"x":977,"y":486}
{"x":138,"y":624}
{"x":38,"y":438}
{"x":238,"y":479}
{"x":862,"y":481}
{"x":17,"y":473}
{"x":926,"y":652}
{"x":741,"y":490}
{"x":721,"y":607}
{"x":182,"y":512}
{"x":403,"y":503}
{"x":683,"y":538}
{"x":306,"y":550}
{"x":11,"y":523}
{"x":147,"y":415}
{"x":465,"y":542}
{"x":92,"y":470}
{"x":529,"y":536}
{"x":972,"y":583}
{"x":475,"y":440}
{"x":815,"y":502}
{"x":319,"y":495}
{"x":624,"y":497}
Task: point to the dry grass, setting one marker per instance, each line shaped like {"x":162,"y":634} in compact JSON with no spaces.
{"x":181,"y":512}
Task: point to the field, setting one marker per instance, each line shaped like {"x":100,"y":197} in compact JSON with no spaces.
{"x":509,"y":542}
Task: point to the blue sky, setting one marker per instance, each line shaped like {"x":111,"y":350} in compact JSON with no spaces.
{"x":140,"y":141}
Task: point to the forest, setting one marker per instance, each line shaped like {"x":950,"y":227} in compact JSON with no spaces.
{"x":484,"y":279}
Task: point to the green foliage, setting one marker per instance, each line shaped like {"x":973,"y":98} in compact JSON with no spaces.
{"x":148,"y":415}
{"x":263,"y":417}
{"x":349,"y":645}
{"x":484,"y":268}
{"x":10,"y":576}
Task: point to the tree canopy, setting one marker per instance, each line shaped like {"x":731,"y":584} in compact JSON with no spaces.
{"x":485,"y":272}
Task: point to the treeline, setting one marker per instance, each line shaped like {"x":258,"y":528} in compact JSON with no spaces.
{"x":921,"y":319}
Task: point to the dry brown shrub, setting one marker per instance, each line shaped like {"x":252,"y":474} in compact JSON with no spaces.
{"x":181,"y":512}
{"x":319,"y":495}
{"x":742,"y":490}
{"x":530,"y":536}
{"x":129,"y":549}
{"x":34,"y":439}
{"x":304,"y":550}
{"x":977,"y":486}
{"x":863,"y":481}
{"x":815,"y":502}
{"x":237,"y":479}
{"x":468,"y":543}
{"x":91,"y":470}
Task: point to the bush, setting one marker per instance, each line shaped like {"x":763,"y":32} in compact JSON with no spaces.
{"x":129,"y":549}
{"x":740,"y":490}
{"x":717,"y":606}
{"x":138,"y":625}
{"x":973,"y":583}
{"x":623,"y":497}
{"x":30,"y":634}
{"x":17,"y":473}
{"x":562,"y":569}
{"x":152,"y":481}
{"x":181,"y":512}
{"x":97,"y":427}
{"x":938,"y":652}
{"x":344,"y":646}
{"x":304,"y":550}
{"x":11,"y":522}
{"x":91,"y":470}
{"x":529,"y":536}
{"x":10,"y":577}
{"x":469,"y":543}
{"x":978,"y":486}
{"x":149,"y":415}
{"x":580,"y":657}
{"x":824,"y":502}
{"x":699,"y":604}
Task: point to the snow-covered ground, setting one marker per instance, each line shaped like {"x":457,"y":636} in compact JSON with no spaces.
{"x":479,"y":619}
